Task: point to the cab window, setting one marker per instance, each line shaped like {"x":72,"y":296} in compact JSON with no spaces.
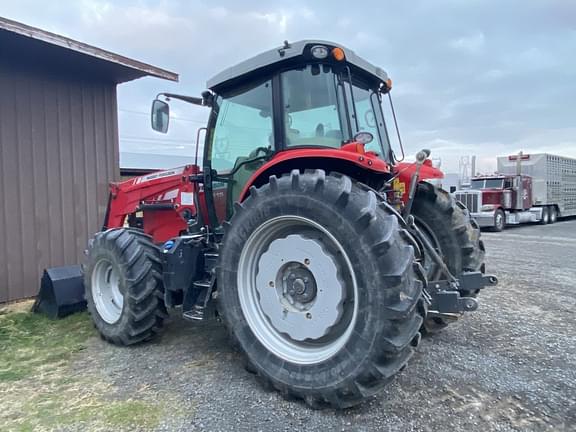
{"x":244,"y":128}
{"x":310,"y":107}
{"x":368,"y":118}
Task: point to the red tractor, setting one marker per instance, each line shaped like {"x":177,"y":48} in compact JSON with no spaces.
{"x":323,"y":256}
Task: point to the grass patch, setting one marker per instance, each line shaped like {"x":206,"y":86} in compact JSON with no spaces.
{"x":38,"y":389}
{"x":29,"y":342}
{"x":135,"y":413}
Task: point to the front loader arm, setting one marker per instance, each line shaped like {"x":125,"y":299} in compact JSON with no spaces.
{"x":161,"y":197}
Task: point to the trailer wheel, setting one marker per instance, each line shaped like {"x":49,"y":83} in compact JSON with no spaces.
{"x":318,"y":288}
{"x":545,"y":216}
{"x":123,"y":280}
{"x":553,"y":214}
{"x":455,"y":235}
{"x":499,"y":220}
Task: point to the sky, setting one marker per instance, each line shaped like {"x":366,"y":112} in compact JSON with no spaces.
{"x":471,"y":77}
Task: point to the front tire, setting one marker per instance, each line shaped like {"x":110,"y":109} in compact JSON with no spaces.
{"x":317,"y":286}
{"x":499,"y":220}
{"x":123,"y":282}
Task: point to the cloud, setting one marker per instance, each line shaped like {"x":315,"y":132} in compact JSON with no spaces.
{"x":472,"y":44}
{"x":470,"y":77}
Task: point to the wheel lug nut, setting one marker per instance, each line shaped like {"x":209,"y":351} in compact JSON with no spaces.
{"x":308,"y":315}
{"x":306,"y":261}
{"x":271,"y":283}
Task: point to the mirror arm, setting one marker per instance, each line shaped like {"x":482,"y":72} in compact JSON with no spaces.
{"x":189,"y":99}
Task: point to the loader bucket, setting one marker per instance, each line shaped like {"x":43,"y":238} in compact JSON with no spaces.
{"x":61,"y":292}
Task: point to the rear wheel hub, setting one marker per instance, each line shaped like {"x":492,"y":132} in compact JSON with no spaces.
{"x":297,"y":289}
{"x":298,"y":307}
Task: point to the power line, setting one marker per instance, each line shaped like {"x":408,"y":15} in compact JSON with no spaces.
{"x":142,"y":113}
{"x":137,"y":138}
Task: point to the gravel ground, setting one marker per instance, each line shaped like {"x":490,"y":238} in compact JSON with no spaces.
{"x":510,"y":366}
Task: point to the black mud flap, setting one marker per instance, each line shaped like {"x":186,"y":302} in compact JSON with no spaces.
{"x":61,"y":292}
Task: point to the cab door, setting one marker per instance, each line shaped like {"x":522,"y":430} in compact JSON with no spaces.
{"x":241,"y":140}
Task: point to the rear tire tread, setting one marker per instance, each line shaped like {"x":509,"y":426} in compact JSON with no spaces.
{"x":468,"y":252}
{"x":403,"y":322}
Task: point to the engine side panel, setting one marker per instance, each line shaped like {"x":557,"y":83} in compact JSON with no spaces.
{"x":404,"y":171}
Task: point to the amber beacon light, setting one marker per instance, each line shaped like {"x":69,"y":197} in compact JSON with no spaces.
{"x":338,"y":54}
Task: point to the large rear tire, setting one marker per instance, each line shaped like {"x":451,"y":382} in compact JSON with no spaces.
{"x":455,"y":235}
{"x":319,"y":288}
{"x":124,"y":291}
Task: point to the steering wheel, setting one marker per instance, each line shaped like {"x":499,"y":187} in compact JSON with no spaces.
{"x":370,"y":118}
{"x":221,"y":146}
{"x":254,"y":153}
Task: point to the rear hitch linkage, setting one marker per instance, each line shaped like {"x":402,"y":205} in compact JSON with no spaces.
{"x":443,"y":296}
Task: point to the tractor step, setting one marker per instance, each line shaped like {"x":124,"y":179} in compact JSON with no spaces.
{"x":445,"y":316}
{"x":203,"y":284}
{"x":194,"y":314}
{"x":197,"y":305}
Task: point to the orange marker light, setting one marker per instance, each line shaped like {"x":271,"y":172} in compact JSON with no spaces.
{"x":338,"y":54}
{"x":389,"y":83}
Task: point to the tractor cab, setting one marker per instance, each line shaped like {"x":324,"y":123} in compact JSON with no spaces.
{"x":286,"y":105}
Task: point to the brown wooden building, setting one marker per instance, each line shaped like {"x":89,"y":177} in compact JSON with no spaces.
{"x":58,"y":148}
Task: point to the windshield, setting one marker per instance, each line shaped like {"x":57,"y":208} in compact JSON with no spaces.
{"x":494,"y":183}
{"x":486,"y":184}
{"x":369,"y":119}
{"x":311,"y":113}
{"x":477,"y":184}
{"x":321,"y":108}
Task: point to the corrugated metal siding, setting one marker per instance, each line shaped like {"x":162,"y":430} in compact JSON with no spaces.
{"x":58,"y":151}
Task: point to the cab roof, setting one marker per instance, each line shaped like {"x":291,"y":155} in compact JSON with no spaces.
{"x":289,"y":53}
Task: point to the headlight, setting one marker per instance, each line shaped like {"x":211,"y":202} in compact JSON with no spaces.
{"x":488,"y":207}
{"x":319,"y":51}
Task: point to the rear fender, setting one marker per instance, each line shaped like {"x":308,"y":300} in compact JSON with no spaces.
{"x":350,"y":160}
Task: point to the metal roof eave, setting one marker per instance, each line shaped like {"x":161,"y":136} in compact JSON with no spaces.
{"x":89,"y":50}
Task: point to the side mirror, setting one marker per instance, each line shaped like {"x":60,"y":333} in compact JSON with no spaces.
{"x":160,"y":116}
{"x":364,"y":137}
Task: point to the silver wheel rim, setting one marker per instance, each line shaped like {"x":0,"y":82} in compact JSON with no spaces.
{"x":499,"y":220}
{"x":106,"y":293}
{"x":297,"y":289}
